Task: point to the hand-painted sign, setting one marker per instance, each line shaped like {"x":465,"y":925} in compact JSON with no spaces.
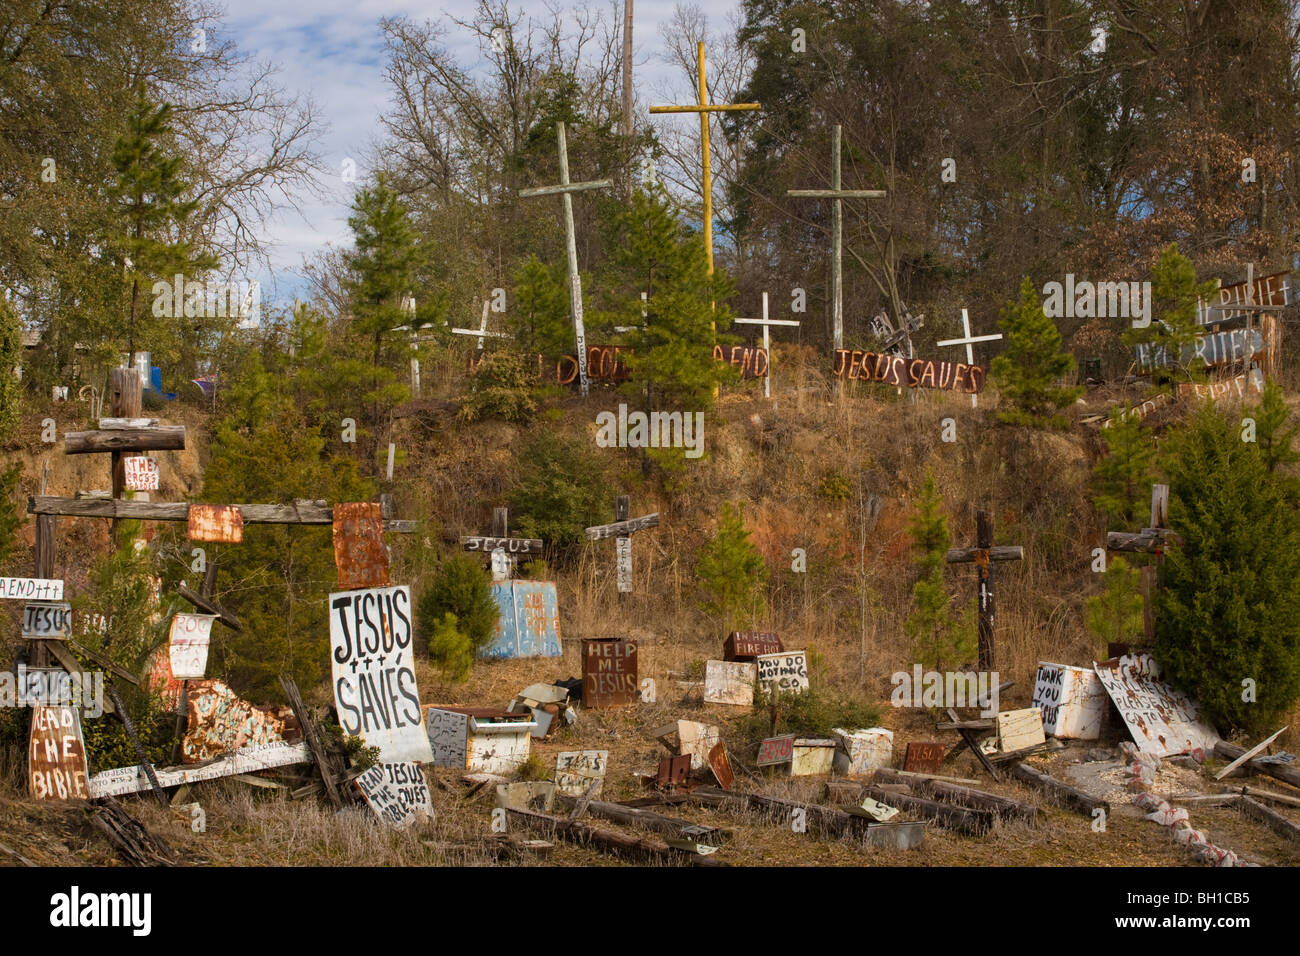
{"x":1238,"y":385}
{"x":141,"y":472}
{"x":784,"y":673}
{"x":188,"y":650}
{"x":223,"y":523}
{"x":1162,"y":720}
{"x":631,"y":526}
{"x":1072,"y":700}
{"x":1234,"y":345}
{"x":31,"y":589}
{"x":923,"y":756}
{"x":608,"y":672}
{"x":57,"y":756}
{"x":747,"y":645}
{"x":908,"y":373}
{"x":479,"y":738}
{"x":359,"y":550}
{"x":729,"y":682}
{"x":576,"y":770}
{"x":623,"y":554}
{"x":120,"y":780}
{"x":47,"y":620}
{"x":752,"y":362}
{"x":488,"y":544}
{"x":775,"y":750}
{"x":220,"y":721}
{"x":373,"y":669}
{"x":529,"y":625}
{"x":397,"y":792}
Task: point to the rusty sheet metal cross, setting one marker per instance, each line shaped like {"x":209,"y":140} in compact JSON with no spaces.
{"x":359,"y":550}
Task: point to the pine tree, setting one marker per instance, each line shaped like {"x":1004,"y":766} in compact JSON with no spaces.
{"x":1227,"y":608}
{"x":451,"y":649}
{"x":540,"y":321}
{"x":1115,"y":615}
{"x":461,"y":589}
{"x":1273,"y":429}
{"x":1028,"y":371}
{"x":731,"y":571}
{"x":1174,"y":291}
{"x":148,"y":196}
{"x":672,"y":350}
{"x":11,"y":357}
{"x":939,"y":637}
{"x":1122,"y":479}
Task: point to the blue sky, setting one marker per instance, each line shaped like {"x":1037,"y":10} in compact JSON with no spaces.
{"x":332,"y":50}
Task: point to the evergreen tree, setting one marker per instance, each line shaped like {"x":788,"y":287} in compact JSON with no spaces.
{"x":461,"y":590}
{"x":1122,"y":479}
{"x":731,"y":571}
{"x":1273,"y":429}
{"x":149,"y":198}
{"x":1173,"y":329}
{"x":940,"y":639}
{"x":672,"y":350}
{"x":1227,"y":608}
{"x":11,"y":358}
{"x":540,"y":321}
{"x":1028,"y":371}
{"x":562,"y":489}
{"x":451,"y":649}
{"x":1115,"y":615}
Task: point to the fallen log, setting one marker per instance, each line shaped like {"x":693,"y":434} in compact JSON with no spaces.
{"x":637,"y":817}
{"x":1003,"y":807}
{"x":610,"y":841}
{"x":1058,"y":792}
{"x":960,"y":819}
{"x":1270,"y":818}
{"x":829,"y":820}
{"x":1283,"y":798}
{"x":1277,"y":771}
{"x":328,"y":765}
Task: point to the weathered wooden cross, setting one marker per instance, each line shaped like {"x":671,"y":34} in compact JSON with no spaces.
{"x":968,"y":341}
{"x":983,"y":555}
{"x":482,"y":330}
{"x":500,"y":546}
{"x":765,"y":322}
{"x":621,"y":531}
{"x":837,"y":195}
{"x":1150,"y":540}
{"x":565,"y":190}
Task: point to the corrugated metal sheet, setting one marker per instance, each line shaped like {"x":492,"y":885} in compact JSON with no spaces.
{"x":609,"y":672}
{"x":1163,"y":721}
{"x":216,"y":523}
{"x":359,"y":550}
{"x":529,"y":625}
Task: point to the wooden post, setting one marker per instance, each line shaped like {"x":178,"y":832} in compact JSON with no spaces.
{"x":983,"y":555}
{"x":1150,"y":540}
{"x":125,"y":398}
{"x":623,"y":546}
{"x":627,"y":68}
{"x":46,"y":529}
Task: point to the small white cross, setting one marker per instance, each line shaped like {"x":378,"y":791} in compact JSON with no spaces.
{"x":967,"y":341}
{"x":765,"y":322}
{"x":482,"y":331}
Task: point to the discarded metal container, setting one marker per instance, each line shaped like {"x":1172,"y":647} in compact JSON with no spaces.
{"x":359,"y":550}
{"x":223,"y":523}
{"x":609,"y":677}
{"x":729,"y":682}
{"x":479,"y":738}
{"x":895,"y":836}
{"x":1072,"y":699}
{"x":546,"y":702}
{"x":810,"y":758}
{"x":674,"y":770}
{"x":861,"y":751}
{"x":747,"y":645}
{"x":923,"y":757}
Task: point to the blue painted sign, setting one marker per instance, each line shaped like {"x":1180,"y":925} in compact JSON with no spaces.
{"x":529,"y":625}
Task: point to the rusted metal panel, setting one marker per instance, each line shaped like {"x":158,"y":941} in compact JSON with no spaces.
{"x":223,"y":523}
{"x":784,"y":673}
{"x":141,"y":472}
{"x":576,"y":770}
{"x":1072,"y":700}
{"x":674,"y":770}
{"x":120,"y":780}
{"x":861,"y":751}
{"x":158,"y":678}
{"x":31,"y":589}
{"x":359,"y":550}
{"x":529,"y":625}
{"x":397,"y":793}
{"x":56,"y":757}
{"x":1163,"y":721}
{"x":609,"y":672}
{"x":729,"y":682}
{"x":923,"y":756}
{"x":747,"y":645}
{"x":49,"y":620}
{"x":775,"y":750}
{"x":720,"y":764}
{"x":811,"y":757}
{"x":220,"y":721}
{"x":188,"y":645}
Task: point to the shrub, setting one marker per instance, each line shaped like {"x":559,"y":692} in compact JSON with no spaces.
{"x":501,"y":387}
{"x":452,"y":650}
{"x":464,"y":590}
{"x":731,"y":571}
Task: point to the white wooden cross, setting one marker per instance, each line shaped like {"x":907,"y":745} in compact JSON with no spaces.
{"x":967,"y":341}
{"x":482,"y":330}
{"x":765,"y":322}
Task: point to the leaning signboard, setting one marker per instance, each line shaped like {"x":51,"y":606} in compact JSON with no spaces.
{"x":373,"y":670}
{"x":1162,"y":720}
{"x":41,"y":621}
{"x":57,"y":755}
{"x":784,"y":673}
{"x":397,"y":792}
{"x":188,"y":647}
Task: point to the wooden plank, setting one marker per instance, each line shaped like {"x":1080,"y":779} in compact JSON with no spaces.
{"x":155,"y":438}
{"x":31,"y":589}
{"x":831,"y":821}
{"x":301,"y":512}
{"x":600,"y":532}
{"x":1018,"y":729}
{"x":1247,"y":755}
{"x":999,"y":553}
{"x":245,"y":760}
{"x":969,"y":737}
{"x":989,"y":724}
{"x":1287,"y":774}
{"x":1061,"y":794}
{"x":1270,"y":818}
{"x":117,"y":424}
{"x":1147,"y":541}
{"x":325,"y":766}
{"x":210,"y":607}
{"x":1013,"y":755}
{"x":104,"y":662}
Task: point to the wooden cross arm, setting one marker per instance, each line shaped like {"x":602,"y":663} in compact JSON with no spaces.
{"x":1146,"y":541}
{"x":623,"y":527}
{"x":711,"y":108}
{"x":156,"y":438}
{"x":209,"y":606}
{"x":836,"y":193}
{"x":299,"y":512}
{"x":564,"y":188}
{"x":1010,"y":552}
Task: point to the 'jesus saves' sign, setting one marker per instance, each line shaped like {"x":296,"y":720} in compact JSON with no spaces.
{"x":372,"y":665}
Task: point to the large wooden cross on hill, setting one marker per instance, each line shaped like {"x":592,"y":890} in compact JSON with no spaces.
{"x":765,"y":322}
{"x":982,"y":556}
{"x":968,"y":341}
{"x":565,"y":190}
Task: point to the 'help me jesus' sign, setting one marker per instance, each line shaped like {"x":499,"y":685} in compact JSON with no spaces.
{"x":373,"y":669}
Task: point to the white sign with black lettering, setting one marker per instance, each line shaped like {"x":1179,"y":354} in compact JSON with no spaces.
{"x":397,"y":793}
{"x":373,"y":669}
{"x":623,"y":551}
{"x":784,"y":673}
{"x":576,"y":770}
{"x":190,"y":635}
{"x":31,"y":589}
{"x":47,"y":620}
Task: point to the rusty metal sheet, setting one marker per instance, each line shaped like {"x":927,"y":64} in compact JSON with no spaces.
{"x":159,"y":679}
{"x":223,"y":523}
{"x":720,"y":764}
{"x":220,"y":721}
{"x":609,"y":672}
{"x":1163,"y":721}
{"x":747,"y":645}
{"x":56,"y":757}
{"x":674,"y":770}
{"x":359,"y":550}
{"x":775,"y":750}
{"x":923,"y":756}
